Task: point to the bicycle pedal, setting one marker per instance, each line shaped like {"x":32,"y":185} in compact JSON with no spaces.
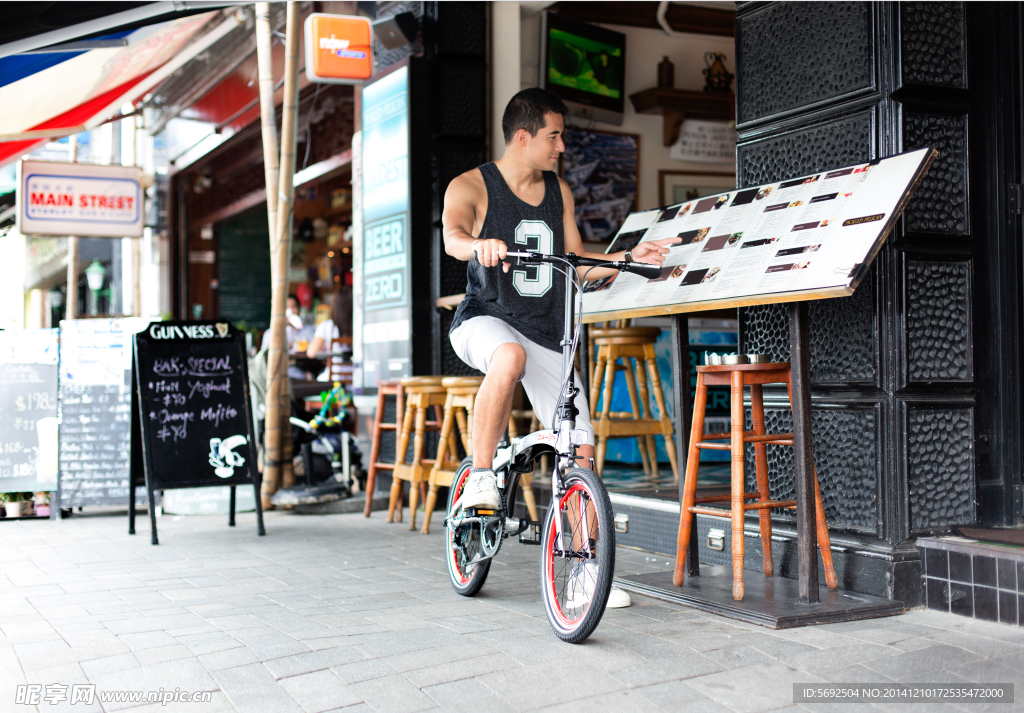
{"x":531,"y":535}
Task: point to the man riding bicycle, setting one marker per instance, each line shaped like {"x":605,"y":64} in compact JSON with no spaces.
{"x":509,"y":326}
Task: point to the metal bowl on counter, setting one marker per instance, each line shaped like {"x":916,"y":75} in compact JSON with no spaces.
{"x":732,"y":359}
{"x":758,"y":359}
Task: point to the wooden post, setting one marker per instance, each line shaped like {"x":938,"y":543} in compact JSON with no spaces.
{"x":131,"y":160}
{"x":803,"y":453}
{"x":268,"y":126}
{"x":684,"y":421}
{"x":277,"y":390}
{"x":71,"y":299}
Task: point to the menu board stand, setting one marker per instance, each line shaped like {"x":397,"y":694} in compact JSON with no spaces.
{"x":841,"y":261}
{"x":191,"y":414}
{"x":803,"y":454}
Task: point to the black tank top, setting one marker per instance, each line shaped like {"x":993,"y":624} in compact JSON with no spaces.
{"x":529,"y":298}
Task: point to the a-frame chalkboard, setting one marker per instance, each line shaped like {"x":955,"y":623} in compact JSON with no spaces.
{"x":191,"y":418}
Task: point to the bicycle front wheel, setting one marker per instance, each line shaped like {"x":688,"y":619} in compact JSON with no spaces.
{"x":576,"y":569}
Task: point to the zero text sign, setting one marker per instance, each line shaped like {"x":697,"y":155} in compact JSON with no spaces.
{"x":79,"y":199}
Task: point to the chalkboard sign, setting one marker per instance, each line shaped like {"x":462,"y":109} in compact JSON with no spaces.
{"x":28,"y":410}
{"x":192,"y":413}
{"x":94,"y":402}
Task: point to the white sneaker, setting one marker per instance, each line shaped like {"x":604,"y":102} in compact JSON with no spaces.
{"x":583,"y":582}
{"x":481,"y":490}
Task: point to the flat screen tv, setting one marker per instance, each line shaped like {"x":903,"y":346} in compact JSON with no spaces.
{"x":585,"y":65}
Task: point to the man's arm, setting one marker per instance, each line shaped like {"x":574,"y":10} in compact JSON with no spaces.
{"x":459,"y":220}
{"x":652,"y":252}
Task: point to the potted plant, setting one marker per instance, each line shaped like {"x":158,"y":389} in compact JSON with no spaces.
{"x":18,"y":505}
{"x":42,"y":504}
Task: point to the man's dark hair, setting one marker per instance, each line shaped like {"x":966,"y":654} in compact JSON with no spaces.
{"x":526,"y":110}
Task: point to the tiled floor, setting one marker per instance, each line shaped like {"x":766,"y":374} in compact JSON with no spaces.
{"x":337,"y":611}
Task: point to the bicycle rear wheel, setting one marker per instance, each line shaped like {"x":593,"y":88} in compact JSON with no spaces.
{"x":576,"y":570}
{"x":463,"y":544}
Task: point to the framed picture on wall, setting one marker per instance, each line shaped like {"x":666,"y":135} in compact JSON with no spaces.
{"x":602,"y":169}
{"x":681,"y":186}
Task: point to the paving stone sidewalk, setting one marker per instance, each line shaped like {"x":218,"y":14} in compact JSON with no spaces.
{"x":339,"y":612}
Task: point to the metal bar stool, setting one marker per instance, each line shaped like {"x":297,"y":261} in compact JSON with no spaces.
{"x":421,"y":393}
{"x":629,"y":344}
{"x":737,"y":376}
{"x":458,"y":412}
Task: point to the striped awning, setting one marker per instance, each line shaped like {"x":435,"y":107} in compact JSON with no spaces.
{"x":52,"y":94}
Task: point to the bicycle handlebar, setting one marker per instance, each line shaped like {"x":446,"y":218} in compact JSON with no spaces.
{"x":638,"y":268}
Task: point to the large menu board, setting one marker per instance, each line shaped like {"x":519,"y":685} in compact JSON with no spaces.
{"x":94,"y":398}
{"x":28,"y":410}
{"x":806,"y":238}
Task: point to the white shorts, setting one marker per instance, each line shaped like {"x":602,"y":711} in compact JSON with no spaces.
{"x":476,"y":340}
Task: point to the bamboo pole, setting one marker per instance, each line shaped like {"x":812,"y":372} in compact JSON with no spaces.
{"x":268,"y":123}
{"x":71,"y":299}
{"x":278,"y":438}
{"x":268,"y":126}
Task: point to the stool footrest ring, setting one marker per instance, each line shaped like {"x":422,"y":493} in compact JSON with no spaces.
{"x":751,"y":437}
{"x":721,"y":498}
{"x":726,"y":514}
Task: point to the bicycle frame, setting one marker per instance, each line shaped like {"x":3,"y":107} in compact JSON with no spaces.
{"x":563,"y":439}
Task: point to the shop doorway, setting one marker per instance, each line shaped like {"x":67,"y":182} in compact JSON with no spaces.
{"x":996,"y":141}
{"x":244,"y":274}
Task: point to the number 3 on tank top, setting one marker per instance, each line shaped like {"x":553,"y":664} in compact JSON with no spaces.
{"x":535,"y":236}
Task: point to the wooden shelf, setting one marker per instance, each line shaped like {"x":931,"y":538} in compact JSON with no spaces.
{"x":675,"y":105}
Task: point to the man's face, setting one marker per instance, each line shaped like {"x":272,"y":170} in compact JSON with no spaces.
{"x":293,"y":305}
{"x":543,"y":150}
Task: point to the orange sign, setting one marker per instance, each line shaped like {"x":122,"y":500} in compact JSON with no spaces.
{"x":338,"y":48}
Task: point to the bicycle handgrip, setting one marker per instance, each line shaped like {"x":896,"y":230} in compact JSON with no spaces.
{"x":639,"y":268}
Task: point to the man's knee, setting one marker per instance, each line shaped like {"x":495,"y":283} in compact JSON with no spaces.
{"x":508,"y":361}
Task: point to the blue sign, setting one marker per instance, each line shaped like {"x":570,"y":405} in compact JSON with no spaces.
{"x":385,"y":246}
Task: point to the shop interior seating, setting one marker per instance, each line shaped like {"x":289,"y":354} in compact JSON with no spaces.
{"x":339,"y":362}
{"x":630,"y":349}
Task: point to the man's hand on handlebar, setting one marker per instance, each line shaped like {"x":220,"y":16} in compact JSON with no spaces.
{"x":490,"y":252}
{"x":653,"y":252}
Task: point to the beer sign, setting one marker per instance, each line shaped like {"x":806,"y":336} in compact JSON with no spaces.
{"x":80,"y":199}
{"x":338,"y":48}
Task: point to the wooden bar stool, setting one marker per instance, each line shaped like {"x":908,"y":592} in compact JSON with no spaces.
{"x":458,"y":413}
{"x":629,"y":344}
{"x":384,"y":389}
{"x":526,"y":479}
{"x":421,"y":393}
{"x":738,"y":376}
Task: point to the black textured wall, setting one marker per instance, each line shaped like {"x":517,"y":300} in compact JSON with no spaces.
{"x":822,"y":85}
{"x":453,"y":39}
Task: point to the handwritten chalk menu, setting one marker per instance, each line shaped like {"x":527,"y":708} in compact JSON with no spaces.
{"x":94,"y":401}
{"x":193,"y":408}
{"x":805,"y":238}
{"x":28,"y":410}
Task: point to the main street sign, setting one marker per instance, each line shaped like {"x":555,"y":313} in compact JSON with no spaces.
{"x":79,"y":199}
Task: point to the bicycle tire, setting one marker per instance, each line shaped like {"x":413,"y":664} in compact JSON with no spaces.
{"x":558,"y":571}
{"x":466,"y":583}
